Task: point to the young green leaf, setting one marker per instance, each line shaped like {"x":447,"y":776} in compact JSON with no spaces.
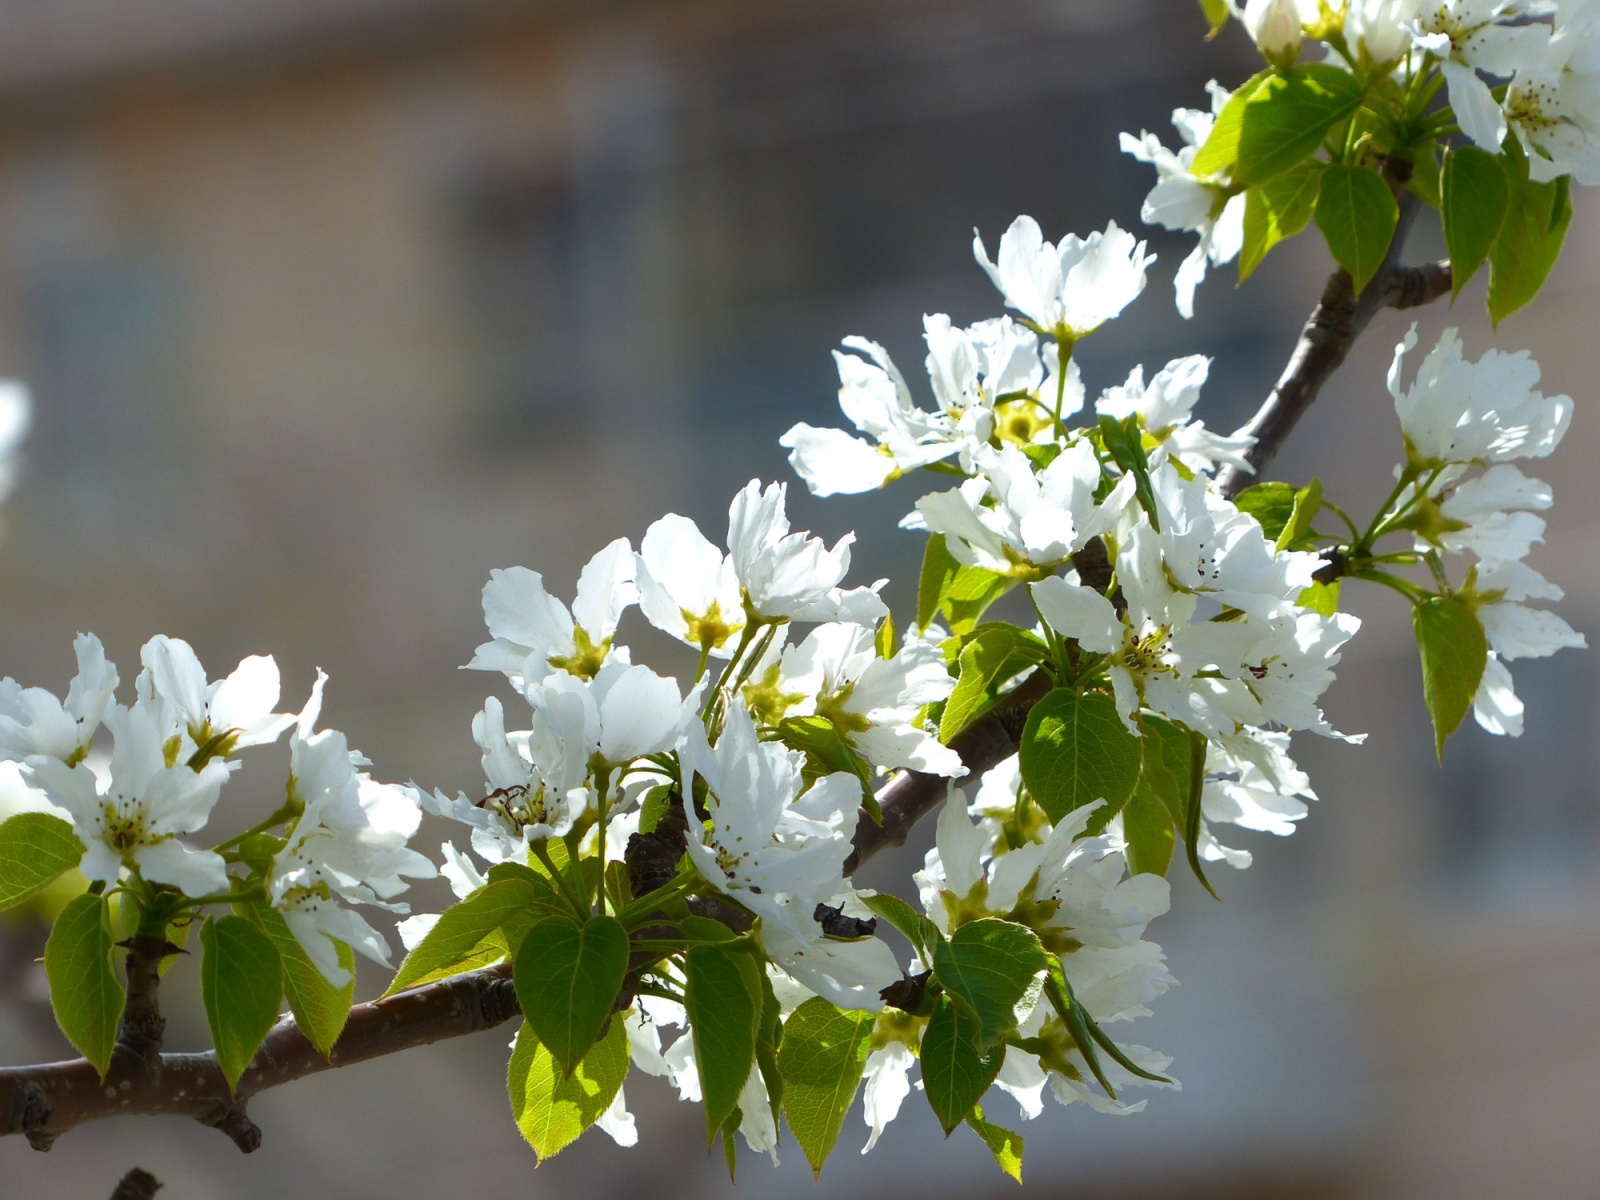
{"x":1358,"y":214}
{"x":884,"y":642}
{"x":996,"y":655}
{"x":241,"y":984}
{"x":1284,"y":119}
{"x":1307,"y":504}
{"x":1426,"y":182}
{"x":1219,"y":153}
{"x":1275,"y":211}
{"x":1124,"y":441}
{"x":1271,"y":504}
{"x":723,"y":997}
{"x":36,"y":849}
{"x":769,"y":1041}
{"x":567,"y":978}
{"x":952,"y":590}
{"x":1320,"y":598}
{"x":823,"y":1053}
{"x":1473,"y":201}
{"x":1216,"y":14}
{"x":938,"y":569}
{"x":1075,"y":750}
{"x":458,"y":937}
{"x":1529,"y":243}
{"x":994,"y":970}
{"x":954,"y":1075}
{"x":320,"y":1009}
{"x":1147,"y":826}
{"x":1003,"y":1144}
{"x":84,"y":991}
{"x":1454,"y":651}
{"x":551,"y":1106}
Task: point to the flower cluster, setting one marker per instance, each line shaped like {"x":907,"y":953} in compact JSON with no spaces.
{"x":1463,"y":424}
{"x":138,"y":810}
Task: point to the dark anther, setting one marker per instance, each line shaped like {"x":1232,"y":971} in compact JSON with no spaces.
{"x":906,"y":994}
{"x":836,"y":925}
{"x":652,"y":858}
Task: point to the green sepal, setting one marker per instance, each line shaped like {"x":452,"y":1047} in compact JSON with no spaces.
{"x":85,"y":994}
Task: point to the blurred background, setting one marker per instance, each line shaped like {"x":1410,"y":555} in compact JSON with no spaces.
{"x":331,"y":307}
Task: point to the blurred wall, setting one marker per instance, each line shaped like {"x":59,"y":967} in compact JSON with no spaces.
{"x":332,"y":308}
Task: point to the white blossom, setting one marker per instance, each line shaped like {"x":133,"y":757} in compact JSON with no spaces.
{"x":792,"y":575}
{"x":348,"y":846}
{"x":1184,"y":201}
{"x":136,"y":816}
{"x":1071,"y":289}
{"x":33,"y":721}
{"x":237,"y":709}
{"x":534,"y":633}
{"x":1457,"y":411}
{"x":1165,"y":408}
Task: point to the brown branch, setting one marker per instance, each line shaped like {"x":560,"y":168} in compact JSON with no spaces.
{"x":1338,"y":319}
{"x":42,"y":1102}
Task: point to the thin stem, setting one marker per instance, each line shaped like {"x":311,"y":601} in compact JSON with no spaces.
{"x":579,"y":902}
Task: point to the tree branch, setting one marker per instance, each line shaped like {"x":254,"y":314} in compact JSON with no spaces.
{"x":1338,"y":319}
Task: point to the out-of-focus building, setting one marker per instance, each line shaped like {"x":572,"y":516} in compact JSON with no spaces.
{"x":332,"y":307}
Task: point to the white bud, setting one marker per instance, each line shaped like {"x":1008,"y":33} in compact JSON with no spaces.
{"x":1274,"y":26}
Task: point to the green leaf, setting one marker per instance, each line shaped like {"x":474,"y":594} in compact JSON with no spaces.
{"x":1426,"y":182}
{"x":567,"y":978}
{"x":993,"y":657}
{"x":1271,"y":504}
{"x":938,"y":569}
{"x":1075,"y":750}
{"x":954,"y":1074}
{"x":824,"y":1050}
{"x":913,"y":926}
{"x":1216,"y":14}
{"x":723,"y":997}
{"x":1307,"y":504}
{"x":955,"y":591}
{"x":1529,"y":242}
{"x":36,"y":849}
{"x":1454,"y":652}
{"x":994,"y":970}
{"x":1357,"y":213}
{"x":1276,"y":210}
{"x":1320,"y":598}
{"x":1003,"y":1144}
{"x":1475,"y":194}
{"x":241,"y":983}
{"x":320,"y":1009}
{"x":1147,"y":826}
{"x":553,"y":1107}
{"x":459,"y":937}
{"x":1219,"y":153}
{"x":1275,"y":122}
{"x":769,"y":1041}
{"x":84,"y":991}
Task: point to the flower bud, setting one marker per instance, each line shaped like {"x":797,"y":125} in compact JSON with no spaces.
{"x":1274,"y":26}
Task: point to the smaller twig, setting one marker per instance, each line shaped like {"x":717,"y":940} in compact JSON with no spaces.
{"x":137,"y":1184}
{"x":143,"y":1027}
